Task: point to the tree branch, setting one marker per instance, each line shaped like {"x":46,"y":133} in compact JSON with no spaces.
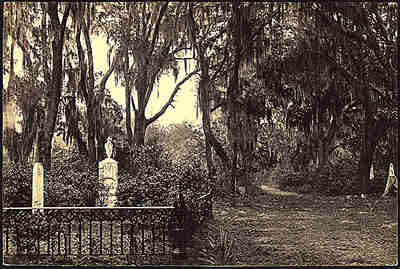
{"x":221,"y":64}
{"x":218,"y":106}
{"x":350,"y":77}
{"x":152,"y":81}
{"x":157,"y":27}
{"x":133,"y":104}
{"x":108,"y":74}
{"x":171,"y":98}
{"x":65,"y":17}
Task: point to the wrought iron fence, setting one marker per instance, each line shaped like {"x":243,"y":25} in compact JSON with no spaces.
{"x":100,"y":231}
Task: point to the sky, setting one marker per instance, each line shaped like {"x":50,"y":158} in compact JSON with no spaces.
{"x":185,"y":100}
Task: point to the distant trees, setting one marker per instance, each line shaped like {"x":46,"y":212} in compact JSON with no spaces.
{"x":328,"y":69}
{"x":349,"y":50}
{"x":149,"y":36}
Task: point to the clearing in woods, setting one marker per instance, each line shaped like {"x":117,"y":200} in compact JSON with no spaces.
{"x":286,"y":228}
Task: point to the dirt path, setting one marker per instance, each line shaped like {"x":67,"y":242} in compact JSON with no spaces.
{"x":286,"y":228}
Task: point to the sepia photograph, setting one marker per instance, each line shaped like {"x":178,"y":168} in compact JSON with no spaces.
{"x":200,"y":134}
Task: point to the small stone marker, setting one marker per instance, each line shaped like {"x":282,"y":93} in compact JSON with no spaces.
{"x":108,"y":175}
{"x":37,"y":186}
{"x":371,"y":173}
{"x":391,"y":180}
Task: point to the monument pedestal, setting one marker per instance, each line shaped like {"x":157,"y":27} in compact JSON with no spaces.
{"x":37,"y":186}
{"x":108,"y":175}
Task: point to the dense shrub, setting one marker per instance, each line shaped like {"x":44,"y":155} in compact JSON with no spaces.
{"x":149,"y":177}
{"x":340,"y":178}
{"x":72,"y":181}
{"x":17,"y":185}
{"x":154,"y":179}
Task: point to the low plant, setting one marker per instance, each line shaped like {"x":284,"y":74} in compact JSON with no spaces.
{"x":340,"y":178}
{"x":220,"y":246}
{"x":17,"y":185}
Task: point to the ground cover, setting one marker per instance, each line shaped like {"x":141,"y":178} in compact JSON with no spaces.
{"x":285,"y":228}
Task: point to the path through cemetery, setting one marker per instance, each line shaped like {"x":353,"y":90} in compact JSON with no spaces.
{"x":286,"y":228}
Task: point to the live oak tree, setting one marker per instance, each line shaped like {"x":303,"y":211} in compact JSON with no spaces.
{"x":149,"y":36}
{"x":84,"y":81}
{"x":53,"y":93}
{"x":207,"y":29}
{"x":228,"y":40}
{"x":23,"y":91}
{"x":361,"y":53}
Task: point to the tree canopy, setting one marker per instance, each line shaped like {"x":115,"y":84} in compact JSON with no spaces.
{"x":322,"y":76}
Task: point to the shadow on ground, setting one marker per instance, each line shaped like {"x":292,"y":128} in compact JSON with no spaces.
{"x":285,"y":228}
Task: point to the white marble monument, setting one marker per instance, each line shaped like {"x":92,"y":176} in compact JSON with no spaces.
{"x":37,"y":186}
{"x":108,"y":175}
{"x":391,"y":180}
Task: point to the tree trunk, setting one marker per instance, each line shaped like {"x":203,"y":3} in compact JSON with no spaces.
{"x":101,"y":153}
{"x":28,"y":134}
{"x":91,"y":116}
{"x":204,"y":95}
{"x":128,"y":120}
{"x":54,"y":92}
{"x":90,"y":102}
{"x":140,"y":129}
{"x":78,"y":137}
{"x":233,"y":92}
{"x":128,"y":92}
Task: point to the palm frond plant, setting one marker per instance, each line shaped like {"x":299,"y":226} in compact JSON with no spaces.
{"x":220,"y":248}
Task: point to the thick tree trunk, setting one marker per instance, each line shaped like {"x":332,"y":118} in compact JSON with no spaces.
{"x":373,"y":132}
{"x":91,"y":116}
{"x":128,"y":120}
{"x":233,"y":92}
{"x":128,"y":104}
{"x":101,"y":152}
{"x":78,"y":137}
{"x":140,"y":129}
{"x":364,"y":166}
{"x":204,"y":95}
{"x":323,"y":155}
{"x":54,"y":92}
{"x":206,"y":126}
{"x":28,"y":134}
{"x":90,"y":103}
{"x":54,"y":95}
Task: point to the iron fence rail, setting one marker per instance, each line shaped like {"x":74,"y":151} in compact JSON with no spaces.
{"x":95,"y":231}
{"x":86,"y":231}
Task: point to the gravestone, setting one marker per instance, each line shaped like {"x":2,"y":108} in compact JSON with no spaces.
{"x":37,"y":186}
{"x":391,"y":180}
{"x":108,"y":176}
{"x":371,"y":173}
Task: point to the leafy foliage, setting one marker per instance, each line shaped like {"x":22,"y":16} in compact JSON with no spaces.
{"x":220,"y":248}
{"x":72,"y":181}
{"x":333,"y":179}
{"x":17,"y":185}
{"x":154,"y":179}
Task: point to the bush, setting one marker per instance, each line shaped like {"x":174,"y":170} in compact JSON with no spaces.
{"x":17,"y":185}
{"x":149,"y":178}
{"x":72,"y":181}
{"x":341,"y":178}
{"x":154,"y":179}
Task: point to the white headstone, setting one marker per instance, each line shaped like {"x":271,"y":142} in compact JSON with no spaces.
{"x":371,"y":172}
{"x":108,"y":175}
{"x":391,"y":180}
{"x":37,"y":186}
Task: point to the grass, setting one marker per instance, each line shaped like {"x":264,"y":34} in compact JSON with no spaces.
{"x":280,"y":228}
